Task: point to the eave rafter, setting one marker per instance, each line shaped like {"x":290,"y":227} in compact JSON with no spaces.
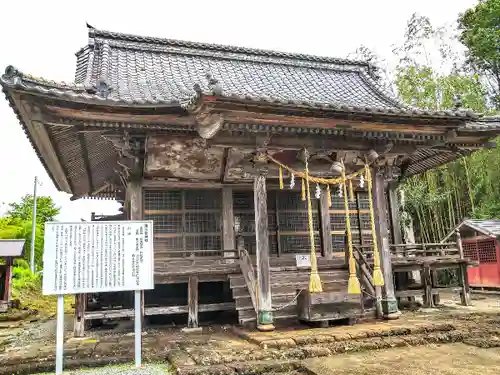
{"x":86,"y":160}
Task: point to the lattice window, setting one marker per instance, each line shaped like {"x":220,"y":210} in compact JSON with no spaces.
{"x":359,"y":218}
{"x":293,"y":222}
{"x":487,"y":251}
{"x":470,"y":250}
{"x":185,"y":220}
{"x":243,"y":208}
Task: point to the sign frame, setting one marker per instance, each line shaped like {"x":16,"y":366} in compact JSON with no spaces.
{"x":137,"y":291}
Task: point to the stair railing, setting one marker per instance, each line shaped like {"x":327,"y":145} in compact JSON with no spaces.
{"x":365,"y":271}
{"x":249,"y":275}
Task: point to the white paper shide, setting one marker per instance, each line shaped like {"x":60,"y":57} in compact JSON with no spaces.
{"x":92,"y":257}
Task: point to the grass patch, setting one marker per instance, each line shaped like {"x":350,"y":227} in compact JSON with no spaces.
{"x":27,"y":288}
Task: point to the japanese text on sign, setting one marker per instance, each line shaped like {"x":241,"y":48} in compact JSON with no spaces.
{"x":91,"y":257}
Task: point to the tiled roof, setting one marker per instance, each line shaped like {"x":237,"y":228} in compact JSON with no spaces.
{"x":485,"y":123}
{"x":125,"y":69}
{"x":486,"y":227}
{"x":489,"y":227}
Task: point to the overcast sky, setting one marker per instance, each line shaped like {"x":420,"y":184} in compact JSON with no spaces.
{"x":41,"y":38}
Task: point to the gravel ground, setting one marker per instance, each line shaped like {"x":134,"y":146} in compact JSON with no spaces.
{"x":40,"y":332}
{"x":149,"y":369}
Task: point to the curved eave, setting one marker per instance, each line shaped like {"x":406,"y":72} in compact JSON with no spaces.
{"x":410,"y":114}
{"x":76,"y":94}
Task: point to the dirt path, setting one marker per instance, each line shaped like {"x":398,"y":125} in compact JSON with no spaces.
{"x":452,"y":359}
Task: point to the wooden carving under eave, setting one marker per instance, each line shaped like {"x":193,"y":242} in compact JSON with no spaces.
{"x":182,"y":157}
{"x":208,"y":124}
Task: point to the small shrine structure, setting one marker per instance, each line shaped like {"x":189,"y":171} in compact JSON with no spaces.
{"x":9,"y":251}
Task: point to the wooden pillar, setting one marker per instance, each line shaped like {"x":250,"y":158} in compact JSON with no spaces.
{"x":134,"y":195}
{"x":79,"y":321}
{"x":389,"y":302}
{"x":8,"y":279}
{"x":228,"y":223}
{"x":402,"y":278}
{"x":326,"y":227}
{"x":193,"y":302}
{"x":264,"y":303}
{"x":464,"y":277}
{"x":397,"y":234}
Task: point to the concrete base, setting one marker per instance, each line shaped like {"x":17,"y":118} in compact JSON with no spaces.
{"x":390,"y":310}
{"x":392,"y":316}
{"x":265,"y":327}
{"x":192,"y":330}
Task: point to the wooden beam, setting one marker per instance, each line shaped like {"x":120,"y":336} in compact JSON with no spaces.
{"x":389,"y":302}
{"x":326,"y":226}
{"x":265,"y":314}
{"x":193,"y":302}
{"x":228,"y":223}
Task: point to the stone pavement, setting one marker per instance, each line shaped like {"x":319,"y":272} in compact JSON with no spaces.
{"x":228,"y":350}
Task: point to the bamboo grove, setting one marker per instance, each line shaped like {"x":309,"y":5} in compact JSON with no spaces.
{"x":434,"y":71}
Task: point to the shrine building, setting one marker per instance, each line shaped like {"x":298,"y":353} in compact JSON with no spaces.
{"x":270,"y":176}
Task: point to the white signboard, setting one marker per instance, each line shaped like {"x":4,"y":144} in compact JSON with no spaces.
{"x":93,"y":257}
{"x":303,"y":260}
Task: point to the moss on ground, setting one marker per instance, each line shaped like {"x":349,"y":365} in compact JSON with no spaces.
{"x":31,"y":297}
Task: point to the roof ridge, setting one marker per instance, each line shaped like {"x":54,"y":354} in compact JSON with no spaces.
{"x":95,"y":33}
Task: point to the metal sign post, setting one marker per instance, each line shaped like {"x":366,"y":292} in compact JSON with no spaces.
{"x":138,"y":328}
{"x":97,"y":257}
{"x":60,"y":334}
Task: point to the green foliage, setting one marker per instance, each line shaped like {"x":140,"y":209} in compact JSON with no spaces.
{"x":480,"y":33}
{"x":18,"y":225}
{"x":23,"y":210}
{"x":26,"y":286}
{"x":439,"y":199}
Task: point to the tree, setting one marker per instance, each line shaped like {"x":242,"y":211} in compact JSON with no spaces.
{"x":430,"y":75}
{"x":46,"y":210}
{"x":17,"y":223}
{"x":480,"y":33}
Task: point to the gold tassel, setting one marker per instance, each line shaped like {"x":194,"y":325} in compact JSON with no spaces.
{"x":351,"y":191}
{"x":329,"y":195}
{"x":314,"y":279}
{"x":281,"y":178}
{"x":353,"y":286}
{"x":303,"y":189}
{"x":378,"y":277}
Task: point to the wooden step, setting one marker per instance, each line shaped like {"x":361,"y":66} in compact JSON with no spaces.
{"x":302,"y":277}
{"x":244,"y":303}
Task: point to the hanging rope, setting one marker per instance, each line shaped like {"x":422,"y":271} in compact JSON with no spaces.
{"x":314,"y":279}
{"x":351,"y":191}
{"x":281,"y":178}
{"x":353,"y":286}
{"x":317,"y":180}
{"x":378,"y":277}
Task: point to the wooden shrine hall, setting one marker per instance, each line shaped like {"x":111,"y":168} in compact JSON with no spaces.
{"x":244,"y":159}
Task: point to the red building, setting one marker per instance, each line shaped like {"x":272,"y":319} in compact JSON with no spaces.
{"x":480,"y":244}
